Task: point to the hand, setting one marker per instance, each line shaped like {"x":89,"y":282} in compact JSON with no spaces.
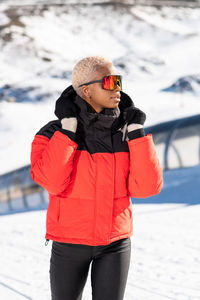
{"x":66,"y":110}
{"x":135,"y":119}
{"x":134,"y":115}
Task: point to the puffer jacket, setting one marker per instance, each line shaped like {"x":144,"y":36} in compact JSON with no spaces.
{"x":90,"y":175}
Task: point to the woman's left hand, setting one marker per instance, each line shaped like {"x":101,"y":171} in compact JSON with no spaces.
{"x":134,"y":115}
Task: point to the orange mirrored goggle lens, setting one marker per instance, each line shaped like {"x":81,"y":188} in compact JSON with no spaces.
{"x":111,"y":82}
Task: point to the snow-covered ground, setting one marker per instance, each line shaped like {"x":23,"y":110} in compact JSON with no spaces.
{"x":165,"y":261}
{"x":152,"y":48}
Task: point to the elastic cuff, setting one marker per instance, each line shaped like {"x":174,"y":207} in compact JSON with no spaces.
{"x":69,"y":133}
{"x":69,"y":124}
{"x":134,"y":126}
{"x":136,"y":134}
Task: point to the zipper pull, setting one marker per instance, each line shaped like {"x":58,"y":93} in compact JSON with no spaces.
{"x":46,"y":243}
{"x":124,"y":131}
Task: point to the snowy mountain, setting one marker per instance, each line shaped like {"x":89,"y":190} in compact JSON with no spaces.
{"x":153,"y":48}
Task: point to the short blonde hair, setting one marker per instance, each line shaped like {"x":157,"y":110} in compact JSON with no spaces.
{"x":85,"y":69}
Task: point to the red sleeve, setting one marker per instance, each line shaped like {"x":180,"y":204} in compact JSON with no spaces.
{"x":52,"y":161}
{"x":145,"y":177}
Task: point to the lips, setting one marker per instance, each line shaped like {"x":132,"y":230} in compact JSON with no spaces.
{"x":117,"y":97}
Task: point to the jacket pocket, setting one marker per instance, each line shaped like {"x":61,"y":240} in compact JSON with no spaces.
{"x":122,"y":216}
{"x":53,"y":209}
{"x":76,"y":217}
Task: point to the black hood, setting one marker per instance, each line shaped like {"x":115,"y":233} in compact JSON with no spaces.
{"x":108,"y":117}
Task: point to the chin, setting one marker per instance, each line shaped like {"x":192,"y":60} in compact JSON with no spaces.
{"x":115,"y":105}
{"x":112,"y":106}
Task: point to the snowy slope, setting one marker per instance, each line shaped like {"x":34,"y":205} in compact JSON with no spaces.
{"x":152,"y":48}
{"x":165,"y":261}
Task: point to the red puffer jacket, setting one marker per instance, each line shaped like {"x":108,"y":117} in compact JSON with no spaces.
{"x":91,"y":175}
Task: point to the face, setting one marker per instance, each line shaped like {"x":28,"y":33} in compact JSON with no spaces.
{"x":97,"y":97}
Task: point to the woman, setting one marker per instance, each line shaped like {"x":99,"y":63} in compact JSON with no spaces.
{"x":91,"y":160}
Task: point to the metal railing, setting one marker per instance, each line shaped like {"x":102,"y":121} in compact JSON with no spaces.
{"x":177,"y":142}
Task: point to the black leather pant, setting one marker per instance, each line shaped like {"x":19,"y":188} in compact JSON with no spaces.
{"x":69,"y":266}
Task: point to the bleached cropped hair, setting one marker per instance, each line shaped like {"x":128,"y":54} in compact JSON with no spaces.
{"x":85,"y":69}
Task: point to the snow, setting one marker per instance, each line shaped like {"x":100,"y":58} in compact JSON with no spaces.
{"x":164,"y":263}
{"x":153,"y":49}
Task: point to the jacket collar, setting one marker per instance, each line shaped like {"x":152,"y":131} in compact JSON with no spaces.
{"x":103,"y":119}
{"x":107,"y":118}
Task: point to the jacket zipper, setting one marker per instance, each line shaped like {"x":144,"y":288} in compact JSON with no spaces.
{"x":46,"y":243}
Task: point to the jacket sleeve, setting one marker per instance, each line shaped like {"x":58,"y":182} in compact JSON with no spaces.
{"x":145,"y":177}
{"x":52,"y":161}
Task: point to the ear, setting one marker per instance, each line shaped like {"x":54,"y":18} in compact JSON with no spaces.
{"x":85,"y":91}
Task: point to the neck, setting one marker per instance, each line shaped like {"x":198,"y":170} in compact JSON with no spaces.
{"x":89,"y":115}
{"x":92,"y":107}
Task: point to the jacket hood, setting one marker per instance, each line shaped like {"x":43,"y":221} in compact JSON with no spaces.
{"x":108,"y":117}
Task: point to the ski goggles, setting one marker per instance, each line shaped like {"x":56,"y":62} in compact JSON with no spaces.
{"x":109,"y":82}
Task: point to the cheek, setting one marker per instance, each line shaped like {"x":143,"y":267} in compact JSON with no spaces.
{"x":105,"y":98}
{"x":101,"y":95}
